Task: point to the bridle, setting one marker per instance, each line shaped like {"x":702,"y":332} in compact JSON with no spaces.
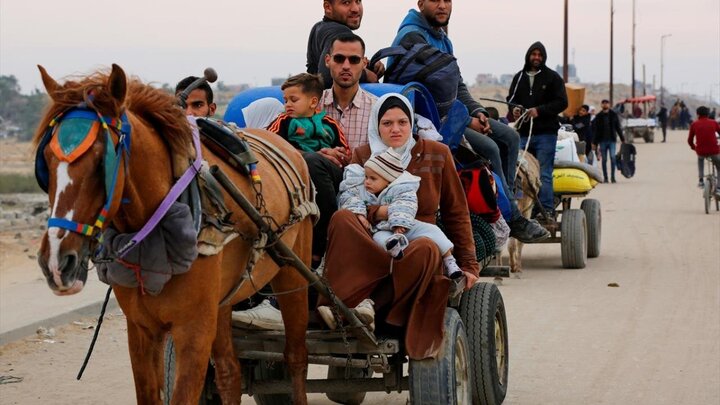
{"x":117,"y":132}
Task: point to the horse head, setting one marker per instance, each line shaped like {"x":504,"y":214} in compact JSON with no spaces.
{"x":78,"y":164}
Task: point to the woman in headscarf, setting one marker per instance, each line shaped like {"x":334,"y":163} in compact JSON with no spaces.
{"x":409,"y":293}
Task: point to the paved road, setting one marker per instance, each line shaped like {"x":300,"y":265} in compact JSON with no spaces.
{"x":655,"y":339}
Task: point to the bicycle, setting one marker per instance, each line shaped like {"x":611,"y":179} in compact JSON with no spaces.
{"x":710,"y":187}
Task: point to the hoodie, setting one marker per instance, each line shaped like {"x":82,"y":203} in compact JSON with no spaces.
{"x":547,"y":94}
{"x":415,"y":23}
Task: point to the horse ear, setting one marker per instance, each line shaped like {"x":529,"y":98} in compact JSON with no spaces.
{"x":117,"y":84}
{"x":50,"y":84}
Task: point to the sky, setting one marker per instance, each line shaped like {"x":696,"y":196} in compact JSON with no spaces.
{"x":163,"y":41}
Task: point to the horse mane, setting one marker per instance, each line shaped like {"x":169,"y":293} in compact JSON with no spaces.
{"x":155,"y":106}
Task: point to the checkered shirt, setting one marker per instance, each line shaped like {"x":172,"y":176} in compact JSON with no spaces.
{"x":353,"y":119}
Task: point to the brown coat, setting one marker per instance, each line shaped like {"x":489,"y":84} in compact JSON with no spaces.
{"x":355,"y":265}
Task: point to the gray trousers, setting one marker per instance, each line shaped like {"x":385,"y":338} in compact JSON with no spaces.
{"x":419,"y":230}
{"x":701,"y":164}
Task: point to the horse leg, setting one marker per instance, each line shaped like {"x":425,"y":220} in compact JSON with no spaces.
{"x":146,"y":350}
{"x":228,"y":378}
{"x":294,"y":308}
{"x":193,"y":340}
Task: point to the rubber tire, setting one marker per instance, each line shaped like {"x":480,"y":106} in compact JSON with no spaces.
{"x":434,"y":381}
{"x":573,"y":244}
{"x":707,"y":196}
{"x":208,"y":396}
{"x":482,"y":310}
{"x":593,"y":216}
{"x":348,"y":398}
{"x":271,"y":371}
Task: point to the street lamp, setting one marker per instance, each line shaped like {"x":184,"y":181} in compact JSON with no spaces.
{"x":662,"y":65}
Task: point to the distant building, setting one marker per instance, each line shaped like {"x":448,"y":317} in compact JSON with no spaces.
{"x":277,"y":81}
{"x":506,"y":79}
{"x":485,"y":79}
{"x":572,"y":73}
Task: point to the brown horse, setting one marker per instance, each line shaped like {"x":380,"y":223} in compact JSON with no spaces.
{"x":188,"y":308}
{"x":528,"y":179}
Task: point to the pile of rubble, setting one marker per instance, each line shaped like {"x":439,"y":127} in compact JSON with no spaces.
{"x":23,"y":212}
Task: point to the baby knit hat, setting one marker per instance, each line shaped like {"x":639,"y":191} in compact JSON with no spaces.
{"x":387,"y":165}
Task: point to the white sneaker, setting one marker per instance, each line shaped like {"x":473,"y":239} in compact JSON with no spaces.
{"x":327,"y":316}
{"x":364,"y":311}
{"x":396,"y":244}
{"x":263,"y":316}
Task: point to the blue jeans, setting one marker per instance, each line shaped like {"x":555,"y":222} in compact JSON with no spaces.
{"x":542,"y":146}
{"x":605,"y":147}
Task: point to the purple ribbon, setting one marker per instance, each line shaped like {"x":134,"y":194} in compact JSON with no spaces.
{"x":172,"y":196}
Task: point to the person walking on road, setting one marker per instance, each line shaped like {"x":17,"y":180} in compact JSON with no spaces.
{"x":662,"y":117}
{"x":606,"y":129}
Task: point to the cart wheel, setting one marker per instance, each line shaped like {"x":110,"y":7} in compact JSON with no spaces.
{"x":573,"y":233}
{"x":707,"y":195}
{"x":593,"y":216}
{"x":483,"y":312}
{"x":208,"y":396}
{"x":446,"y":379}
{"x":348,"y":398}
{"x":266,"y":370}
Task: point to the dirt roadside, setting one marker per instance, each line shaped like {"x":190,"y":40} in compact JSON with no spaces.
{"x":655,"y":339}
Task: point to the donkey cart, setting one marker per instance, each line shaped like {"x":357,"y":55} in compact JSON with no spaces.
{"x":472,"y":367}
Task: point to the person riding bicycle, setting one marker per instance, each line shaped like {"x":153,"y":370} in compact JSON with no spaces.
{"x":702,"y":139}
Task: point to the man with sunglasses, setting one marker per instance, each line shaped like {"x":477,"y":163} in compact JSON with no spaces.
{"x":341,"y":17}
{"x":345,"y":101}
{"x":489,"y":138}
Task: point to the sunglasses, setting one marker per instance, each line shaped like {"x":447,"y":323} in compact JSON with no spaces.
{"x":353,"y":59}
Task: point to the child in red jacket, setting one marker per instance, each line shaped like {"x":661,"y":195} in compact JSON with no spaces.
{"x":706,"y":144}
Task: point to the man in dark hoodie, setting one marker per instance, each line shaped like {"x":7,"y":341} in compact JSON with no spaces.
{"x":542,"y":92}
{"x":490,"y":138}
{"x":341,"y":17}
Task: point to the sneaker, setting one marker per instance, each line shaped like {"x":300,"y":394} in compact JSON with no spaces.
{"x":396,"y":244}
{"x":263,"y":316}
{"x":451,"y":267}
{"x":701,"y":184}
{"x":527,"y":231}
{"x":327,"y":316}
{"x":365,"y":311}
{"x":457,"y":284}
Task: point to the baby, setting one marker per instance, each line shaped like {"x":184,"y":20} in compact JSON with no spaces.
{"x":383,"y":181}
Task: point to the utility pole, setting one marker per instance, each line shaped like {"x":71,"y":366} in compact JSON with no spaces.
{"x":644,"y":87}
{"x":612,"y":14}
{"x":565,"y":45}
{"x":632,"y":85}
{"x":662,"y":65}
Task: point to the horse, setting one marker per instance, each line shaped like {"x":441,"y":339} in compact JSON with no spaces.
{"x":188,"y":308}
{"x":529,"y":181}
